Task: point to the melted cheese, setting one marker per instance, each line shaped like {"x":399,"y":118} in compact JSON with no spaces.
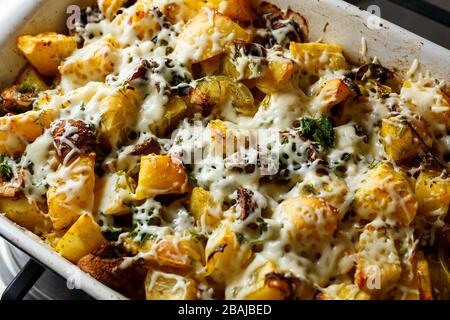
{"x":295,"y":167}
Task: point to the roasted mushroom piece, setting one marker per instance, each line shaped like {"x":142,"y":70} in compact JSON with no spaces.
{"x":147,"y":147}
{"x":246,"y":202}
{"x":72,"y":138}
{"x":285,"y":26}
{"x":106,"y":265}
{"x":374,"y":71}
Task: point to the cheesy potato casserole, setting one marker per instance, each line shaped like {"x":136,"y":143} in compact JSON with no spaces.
{"x":207,"y":149}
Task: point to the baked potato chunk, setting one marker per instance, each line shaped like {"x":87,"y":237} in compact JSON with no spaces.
{"x":385,"y":193}
{"x":415,"y":284}
{"x":224,"y":254}
{"x":205,"y":35}
{"x":166,"y":286}
{"x":169,"y":253}
{"x":308,"y":218}
{"x":235,"y":9}
{"x":279,"y":73}
{"x":376,"y":271}
{"x":202,"y":206}
{"x":113,"y":193}
{"x":398,"y":139}
{"x":433,"y":194}
{"x":91,"y":63}
{"x":214,"y":92}
{"x":83,"y":237}
{"x":30,"y":79}
{"x":161,"y":174}
{"x":45,"y":51}
{"x":314,"y":57}
{"x":21,"y":96}
{"x":109,"y":8}
{"x":175,"y":110}
{"x":178,"y":10}
{"x":335,"y":91}
{"x":242,"y":60}
{"x":26,"y":214}
{"x":267,"y":282}
{"x":343,"y":291}
{"x":16,"y":131}
{"x":118,"y":111}
{"x":72,"y":192}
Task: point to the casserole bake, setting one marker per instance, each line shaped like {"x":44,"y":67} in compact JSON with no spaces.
{"x":350,"y":163}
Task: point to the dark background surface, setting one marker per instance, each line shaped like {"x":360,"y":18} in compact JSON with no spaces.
{"x":414,"y":22}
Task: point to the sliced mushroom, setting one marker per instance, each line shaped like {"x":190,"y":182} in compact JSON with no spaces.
{"x":12,"y":188}
{"x":276,"y":20}
{"x":106,"y":265}
{"x":16,"y":99}
{"x":148,"y":146}
{"x":374,"y":71}
{"x":246,"y":202}
{"x":72,"y":138}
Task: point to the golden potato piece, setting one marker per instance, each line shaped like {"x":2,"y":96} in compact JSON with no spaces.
{"x":314,"y":57}
{"x":268,"y":284}
{"x":205,"y":36}
{"x":26,"y":214}
{"x":235,"y":9}
{"x":415,"y":284}
{"x":433,"y":194}
{"x":398,"y":139}
{"x":45,"y":51}
{"x":308,"y":218}
{"x":203,"y":207}
{"x":224,"y":254}
{"x":169,"y":254}
{"x":242,"y":60}
{"x":109,"y":8}
{"x":179,"y":10}
{"x":118,"y":111}
{"x":31,"y":79}
{"x":72,"y":192}
{"x":385,"y":193}
{"x":166,"y":286}
{"x":175,"y":110}
{"x":16,"y":131}
{"x":81,"y":239}
{"x":91,"y":63}
{"x":214,"y":92}
{"x":335,"y":91}
{"x":378,"y":266}
{"x":343,"y":291}
{"x":113,"y":193}
{"x":278,"y":74}
{"x":161,"y":174}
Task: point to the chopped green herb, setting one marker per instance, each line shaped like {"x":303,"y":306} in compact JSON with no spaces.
{"x":319,"y":131}
{"x":25,"y":87}
{"x":308,"y":189}
{"x":192,"y":179}
{"x":5,"y":169}
{"x":262,"y":225}
{"x":241,"y":238}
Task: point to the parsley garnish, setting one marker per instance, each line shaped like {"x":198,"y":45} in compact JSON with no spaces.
{"x":241,"y":238}
{"x":24,"y":88}
{"x":5,"y":169}
{"x":319,"y":131}
{"x":262,"y":225}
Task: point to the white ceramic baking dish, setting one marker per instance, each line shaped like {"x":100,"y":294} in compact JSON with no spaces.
{"x":330,"y":20}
